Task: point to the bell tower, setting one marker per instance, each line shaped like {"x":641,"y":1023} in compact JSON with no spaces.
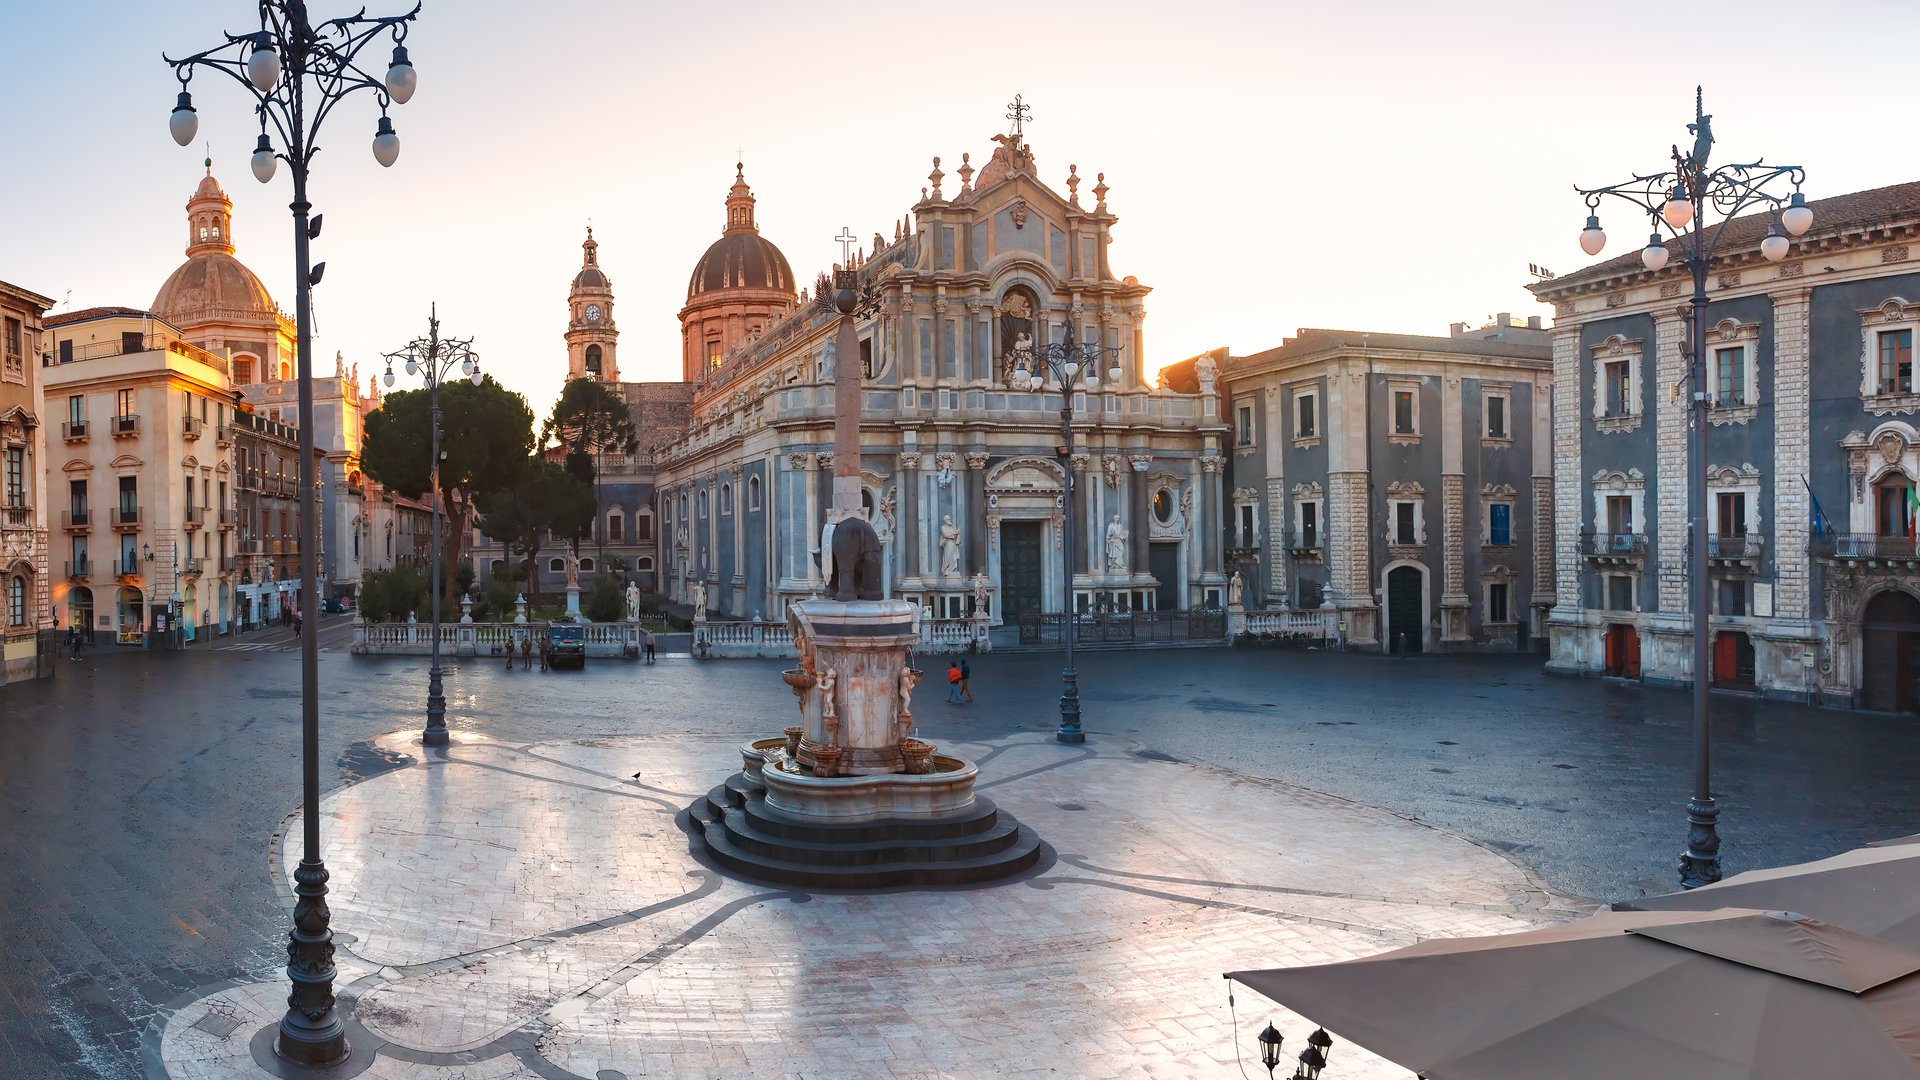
{"x":591,"y":336}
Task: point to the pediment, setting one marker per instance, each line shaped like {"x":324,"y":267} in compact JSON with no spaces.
{"x":1025,"y":474}
{"x":77,"y":465}
{"x":126,"y":461}
{"x":190,"y":462}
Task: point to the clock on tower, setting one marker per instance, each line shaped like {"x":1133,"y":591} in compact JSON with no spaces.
{"x":593,"y":312}
{"x":591,"y":336}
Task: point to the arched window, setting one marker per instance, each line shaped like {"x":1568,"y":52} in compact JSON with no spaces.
{"x":497,"y":569}
{"x":703,"y":503}
{"x":593,"y":359}
{"x":586,"y":565}
{"x":753,"y":493}
{"x":558,"y":566}
{"x":726,"y":498}
{"x":17,"y":600}
{"x":643,"y":564}
{"x":243,"y":369}
{"x":286,"y":371}
{"x":616,"y":527}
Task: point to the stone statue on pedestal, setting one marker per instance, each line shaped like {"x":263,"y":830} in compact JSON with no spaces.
{"x":1234,"y":588}
{"x":573,"y":571}
{"x":1116,"y":544}
{"x":633,"y":603}
{"x":949,"y":546}
{"x":698,"y":593}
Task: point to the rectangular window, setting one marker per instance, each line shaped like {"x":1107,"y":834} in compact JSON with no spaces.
{"x":129,"y":494}
{"x":1500,"y":524}
{"x":643,"y":527}
{"x":131,"y":342}
{"x":1244,"y":415}
{"x":1895,"y":512}
{"x":1246,"y":525}
{"x":1733,"y":513}
{"x":1309,"y":524}
{"x":1496,"y":417}
{"x":1730,"y":376}
{"x":1404,"y":531}
{"x":77,"y":410}
{"x":1733,"y":596}
{"x":1403,"y":412}
{"x":866,"y":358}
{"x":124,"y":403}
{"x":713,"y":354}
{"x":616,"y":528}
{"x":77,"y":499}
{"x":1306,"y":419}
{"x":1497,"y":603}
{"x":1896,"y":362}
{"x":16,"y":476}
{"x":1620,"y":514}
{"x":14,"y":338}
{"x":1619,"y":396}
{"x":1619,"y":592}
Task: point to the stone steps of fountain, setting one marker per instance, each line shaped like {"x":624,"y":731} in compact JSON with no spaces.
{"x":859,"y":855}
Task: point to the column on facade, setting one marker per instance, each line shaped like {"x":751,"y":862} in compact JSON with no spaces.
{"x":806,"y":534}
{"x":1544,"y":564}
{"x":1213,"y":473}
{"x":738,"y":584}
{"x":910,"y":516}
{"x":974,"y":529}
{"x":1673,"y":444}
{"x":1082,"y":503}
{"x":1567,"y":513}
{"x":1792,"y":366}
{"x":1141,"y":509}
{"x":1348,"y":511}
{"x":1272,"y":543}
{"x":1453,"y":591}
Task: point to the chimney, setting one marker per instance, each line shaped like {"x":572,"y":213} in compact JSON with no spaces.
{"x":1504,"y":319}
{"x":1456,"y":329}
{"x":1533,"y":322}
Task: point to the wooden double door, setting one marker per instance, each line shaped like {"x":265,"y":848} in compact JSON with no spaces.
{"x":1889,"y":638}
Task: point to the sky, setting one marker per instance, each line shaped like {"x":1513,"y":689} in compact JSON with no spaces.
{"x":1390,"y":166}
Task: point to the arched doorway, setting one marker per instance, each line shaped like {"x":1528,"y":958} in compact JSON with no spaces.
{"x":80,"y":610}
{"x":1406,"y":628}
{"x":226,"y":598}
{"x":189,"y":611}
{"x":132,"y":613}
{"x":1889,"y":631}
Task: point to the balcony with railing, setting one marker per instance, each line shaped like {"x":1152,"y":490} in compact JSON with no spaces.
{"x":1744,"y":550}
{"x":1867,"y":550}
{"x":190,"y":426}
{"x":1304,"y":544}
{"x":222,"y":436}
{"x":226,"y":519}
{"x":1614,"y":548}
{"x":191,"y":567}
{"x":77,"y":521}
{"x":252,"y":546}
{"x":125,"y":425}
{"x":16,"y":516}
{"x":74,"y":431}
{"x":127,"y":519}
{"x":196,"y":517}
{"x":129,"y":568}
{"x":79,"y":570}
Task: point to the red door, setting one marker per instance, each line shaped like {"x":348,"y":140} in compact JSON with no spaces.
{"x":1725,"y":659}
{"x":1632,"y":637}
{"x":1616,"y":660}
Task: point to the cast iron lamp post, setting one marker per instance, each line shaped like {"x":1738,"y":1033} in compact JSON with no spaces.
{"x":274,"y":64}
{"x":431,"y":358}
{"x":1071,"y":363}
{"x":1312,"y":1060}
{"x":1679,"y":200}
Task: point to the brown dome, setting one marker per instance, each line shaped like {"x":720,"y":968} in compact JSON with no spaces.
{"x":212,"y":282}
{"x":741,"y":260}
{"x":590,"y":278}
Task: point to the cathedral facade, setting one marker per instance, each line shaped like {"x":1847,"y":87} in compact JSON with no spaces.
{"x":964,"y":474}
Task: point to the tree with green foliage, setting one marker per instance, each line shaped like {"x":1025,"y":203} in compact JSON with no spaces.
{"x":590,"y":420}
{"x":605,"y":600}
{"x":486,"y":435}
{"x":545,"y":499}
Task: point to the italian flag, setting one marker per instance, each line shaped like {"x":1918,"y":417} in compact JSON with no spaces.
{"x":1913,"y":511}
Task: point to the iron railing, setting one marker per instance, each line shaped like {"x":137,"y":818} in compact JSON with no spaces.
{"x":1613,"y":544}
{"x":1864,"y":546}
{"x":1091,"y":628}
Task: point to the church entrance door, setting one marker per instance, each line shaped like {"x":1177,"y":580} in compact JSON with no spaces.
{"x":1406,"y":629}
{"x":1163,"y":562}
{"x":1887,"y":668}
{"x":1020,"y":553}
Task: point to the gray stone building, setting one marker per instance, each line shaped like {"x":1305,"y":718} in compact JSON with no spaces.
{"x":1812,"y":460}
{"x":1401,"y":478}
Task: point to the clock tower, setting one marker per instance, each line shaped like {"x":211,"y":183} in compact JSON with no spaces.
{"x":591,"y":336}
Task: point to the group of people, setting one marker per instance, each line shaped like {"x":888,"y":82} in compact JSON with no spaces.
{"x":959,"y":682}
{"x":527,"y":648}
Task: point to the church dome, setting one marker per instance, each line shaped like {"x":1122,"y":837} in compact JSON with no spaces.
{"x":209,"y":282}
{"x":741,"y":258}
{"x":590,"y":278}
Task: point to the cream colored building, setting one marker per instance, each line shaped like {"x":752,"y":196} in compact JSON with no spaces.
{"x":23,"y":506}
{"x":142,"y":476}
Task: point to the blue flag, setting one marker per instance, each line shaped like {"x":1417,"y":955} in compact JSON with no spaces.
{"x":1821,"y":526}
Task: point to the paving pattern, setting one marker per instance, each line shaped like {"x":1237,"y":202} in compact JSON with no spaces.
{"x":536,"y":910}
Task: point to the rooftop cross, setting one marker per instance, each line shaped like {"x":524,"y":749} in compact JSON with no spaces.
{"x":1019,"y":112}
{"x":846,"y":240}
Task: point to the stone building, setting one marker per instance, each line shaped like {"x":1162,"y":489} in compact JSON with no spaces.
{"x":24,"y":558}
{"x":963,"y":473}
{"x":143,"y":476}
{"x":266,"y":515}
{"x":1403,"y":479}
{"x":1812,"y":457}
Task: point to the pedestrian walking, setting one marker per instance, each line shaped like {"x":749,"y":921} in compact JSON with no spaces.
{"x":509,"y":653}
{"x":966,"y":674}
{"x":953,"y":682}
{"x":526,"y":655}
{"x":73,"y":642}
{"x":543,"y":653}
{"x":649,"y":646}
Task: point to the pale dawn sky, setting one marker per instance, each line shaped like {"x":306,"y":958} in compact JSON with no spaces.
{"x":1391,"y":166}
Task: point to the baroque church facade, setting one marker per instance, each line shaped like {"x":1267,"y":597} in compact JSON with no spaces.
{"x":963,"y":473}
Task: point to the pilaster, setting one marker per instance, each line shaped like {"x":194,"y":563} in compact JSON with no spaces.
{"x":1453,"y":588}
{"x":1672,"y":441}
{"x":1566,"y":469}
{"x":1792,"y":510}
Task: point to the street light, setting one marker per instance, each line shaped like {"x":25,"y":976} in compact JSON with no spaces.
{"x":275,"y":65}
{"x":433,"y":357}
{"x":1070,"y":362}
{"x":1679,"y":198}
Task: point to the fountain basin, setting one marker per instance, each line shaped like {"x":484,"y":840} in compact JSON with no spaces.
{"x":946,"y":790}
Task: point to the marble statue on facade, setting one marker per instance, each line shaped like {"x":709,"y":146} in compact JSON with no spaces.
{"x":633,"y":602}
{"x":982,"y":588}
{"x":1234,"y":589}
{"x":829,"y":361}
{"x":885,"y":526}
{"x":949,"y":546}
{"x":573,"y":572}
{"x":1205,"y":370}
{"x":1186,"y":507}
{"x":1116,"y":544}
{"x":697,"y":594}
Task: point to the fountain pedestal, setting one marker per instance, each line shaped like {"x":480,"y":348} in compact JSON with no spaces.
{"x":857,"y":652}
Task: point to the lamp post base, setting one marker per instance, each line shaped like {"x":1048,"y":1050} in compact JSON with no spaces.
{"x":1701,"y":863}
{"x":311,"y":1032}
{"x":435,"y":733}
{"x":1070,"y":708}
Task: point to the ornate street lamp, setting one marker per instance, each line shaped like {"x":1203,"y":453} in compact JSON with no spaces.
{"x":1312,"y":1060}
{"x":1678,"y":200}
{"x":1071,"y":363}
{"x":431,"y":358}
{"x":296,"y":72}
{"x":1270,"y":1041}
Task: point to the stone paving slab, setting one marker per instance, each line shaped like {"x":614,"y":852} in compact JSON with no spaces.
{"x":536,"y":911}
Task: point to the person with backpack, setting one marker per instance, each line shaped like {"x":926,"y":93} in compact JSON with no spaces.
{"x":966,"y":674}
{"x":953,"y":683}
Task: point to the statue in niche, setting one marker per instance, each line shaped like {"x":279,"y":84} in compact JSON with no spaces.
{"x":1234,"y":589}
{"x":1186,"y":507}
{"x":1016,"y":330}
{"x":829,"y":360}
{"x":949,"y":547}
{"x":885,"y":526}
{"x":1116,"y":544}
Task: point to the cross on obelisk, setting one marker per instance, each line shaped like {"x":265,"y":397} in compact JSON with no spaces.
{"x":847,"y":240}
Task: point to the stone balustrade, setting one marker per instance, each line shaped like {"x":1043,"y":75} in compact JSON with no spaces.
{"x":758,"y":638}
{"x":486,"y":638}
{"x":1311,"y":624}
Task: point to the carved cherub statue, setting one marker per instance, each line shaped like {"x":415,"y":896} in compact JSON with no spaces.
{"x":828,"y":679}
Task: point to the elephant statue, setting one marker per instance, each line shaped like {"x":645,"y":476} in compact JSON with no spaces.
{"x":856,"y":561}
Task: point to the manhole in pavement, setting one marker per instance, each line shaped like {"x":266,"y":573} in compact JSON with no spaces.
{"x":365,"y":759}
{"x":218,"y":1025}
{"x":1069,"y":806}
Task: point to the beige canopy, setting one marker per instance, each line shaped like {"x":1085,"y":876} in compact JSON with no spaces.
{"x":1875,"y":890}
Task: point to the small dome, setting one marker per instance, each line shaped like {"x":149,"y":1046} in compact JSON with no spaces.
{"x":589,"y":278}
{"x":212,"y":282}
{"x":741,"y":260}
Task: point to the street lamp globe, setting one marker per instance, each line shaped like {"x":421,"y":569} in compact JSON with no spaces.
{"x":1037,"y":383}
{"x":263,"y":161}
{"x":184,"y":122}
{"x":1654,"y":255}
{"x":413,"y":366}
{"x":402,"y":79}
{"x":1113,"y":373}
{"x":1021,"y":374}
{"x":475,"y":377}
{"x":1071,"y":367}
{"x":1593,"y":237}
{"x":1093,"y":382}
{"x":1797,"y":217}
{"x":386,"y":144}
{"x":388,"y":378}
{"x":1774,"y":247}
{"x":1678,"y":209}
{"x":263,"y":65}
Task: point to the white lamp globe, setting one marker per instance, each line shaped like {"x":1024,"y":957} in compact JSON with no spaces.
{"x":1113,"y":373}
{"x":1036,"y":383}
{"x":1655,"y":253}
{"x":475,"y":377}
{"x":402,"y":79}
{"x":386,"y":144}
{"x":1020,"y":374}
{"x":263,"y":160}
{"x":1797,"y":217}
{"x":388,"y":379}
{"x":184,"y":122}
{"x":413,"y":366}
{"x":1093,"y":383}
{"x":1774,"y":247}
{"x":1678,"y":210}
{"x":1593,"y":237}
{"x":467,"y":366}
{"x":263,"y":66}
{"x":1072,"y":368}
